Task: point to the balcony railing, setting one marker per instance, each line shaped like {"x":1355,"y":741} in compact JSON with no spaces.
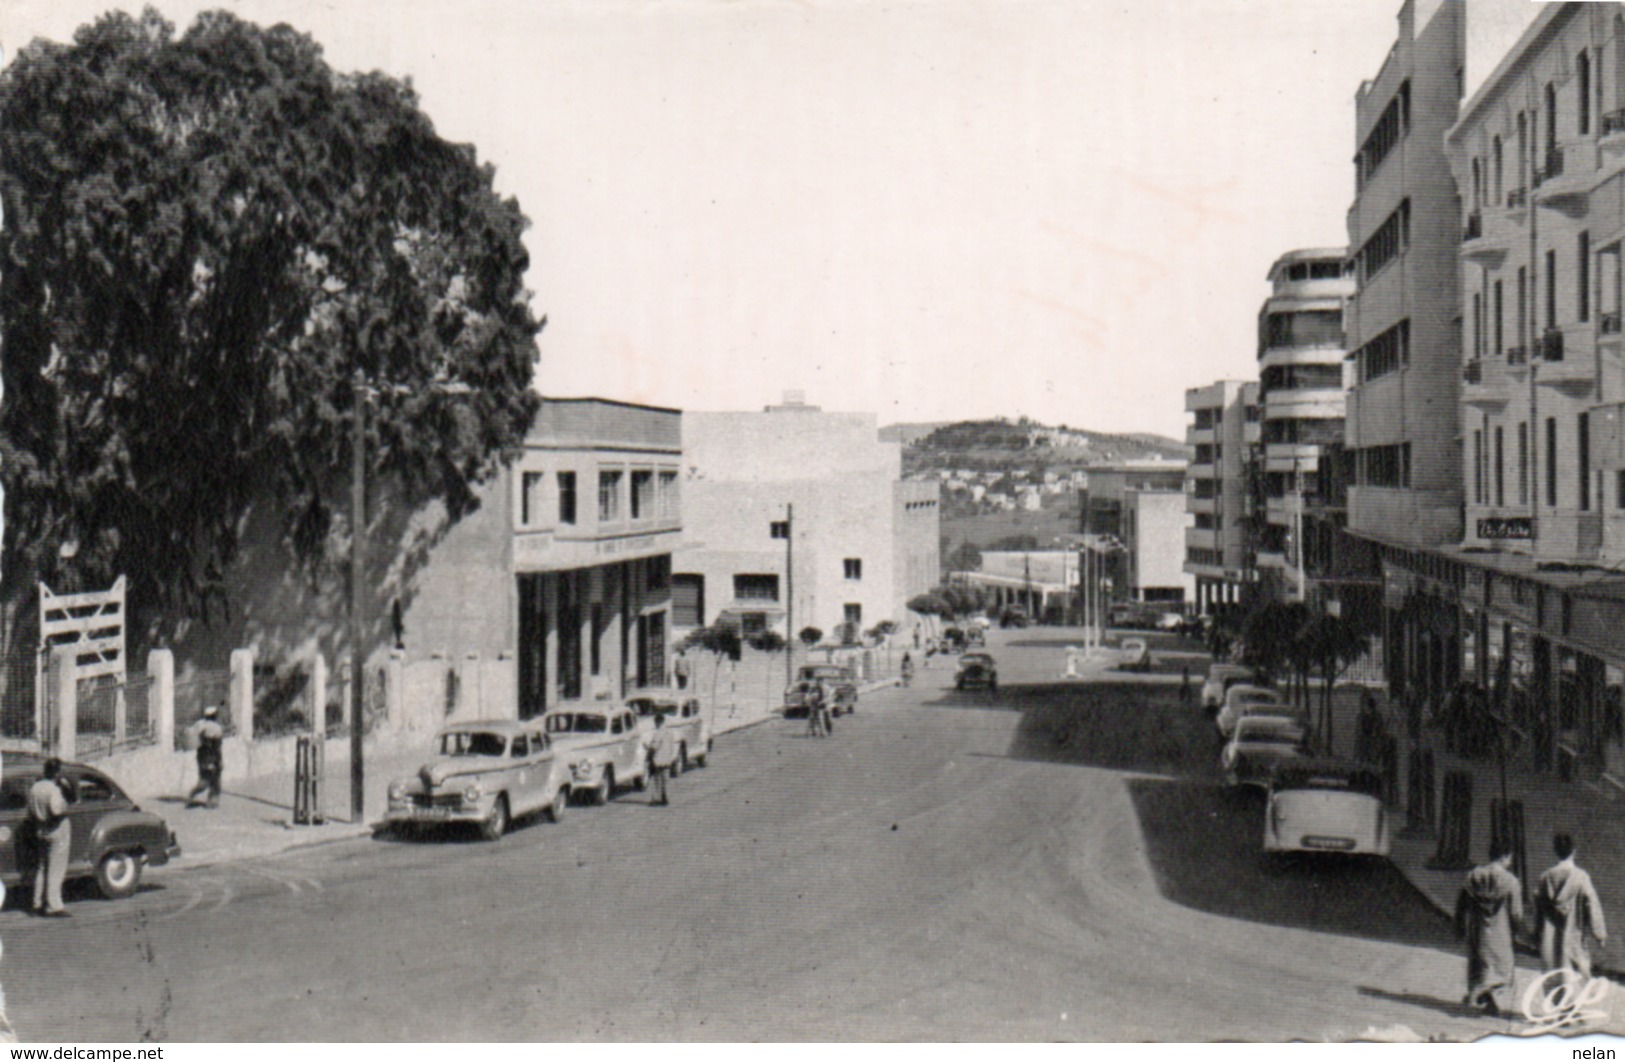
{"x":1551,"y":345}
{"x":1474,"y":227}
{"x":1473,"y":372}
{"x":1613,"y":122}
{"x":1517,"y":197}
{"x":1608,"y":324}
{"x":1517,"y":356}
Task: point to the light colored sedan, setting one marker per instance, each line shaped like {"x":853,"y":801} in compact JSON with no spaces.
{"x":1259,"y":745}
{"x":1326,"y":806}
{"x":1133,"y":654}
{"x":1220,"y":677}
{"x":487,"y":773}
{"x":1243,"y":700}
{"x":603,"y":748}
{"x":686,"y":718}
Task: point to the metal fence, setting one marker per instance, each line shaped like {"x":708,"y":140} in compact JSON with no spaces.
{"x":100,"y":702}
{"x":195,"y":692}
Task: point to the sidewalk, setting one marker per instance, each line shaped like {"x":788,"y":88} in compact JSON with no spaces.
{"x":1593,"y":815}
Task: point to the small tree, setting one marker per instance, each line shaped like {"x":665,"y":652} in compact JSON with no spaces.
{"x":810,"y":636}
{"x":1332,"y":644}
{"x":768,"y":642}
{"x":720,"y":640}
{"x":965,"y":558}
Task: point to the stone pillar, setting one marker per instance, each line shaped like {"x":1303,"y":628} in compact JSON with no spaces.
{"x":318,"y":695}
{"x":65,"y":676}
{"x":346,"y":701}
{"x":395,"y":690}
{"x":242,"y":692}
{"x":161,"y":697}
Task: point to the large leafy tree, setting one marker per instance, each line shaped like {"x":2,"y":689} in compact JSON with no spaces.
{"x":210,"y":239}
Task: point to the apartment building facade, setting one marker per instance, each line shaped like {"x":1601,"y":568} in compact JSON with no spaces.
{"x":1301,"y":402}
{"x":800,"y":518}
{"x":1402,"y":415}
{"x":1220,"y":551}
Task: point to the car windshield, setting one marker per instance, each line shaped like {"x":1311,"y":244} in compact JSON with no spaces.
{"x":975,"y":658}
{"x":647,"y":707}
{"x":814,"y":673}
{"x":473,"y":743}
{"x":1361,"y":780}
{"x":577,"y":723}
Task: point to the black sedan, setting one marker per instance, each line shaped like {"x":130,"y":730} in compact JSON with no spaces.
{"x":113,"y":839}
{"x":977,"y":669}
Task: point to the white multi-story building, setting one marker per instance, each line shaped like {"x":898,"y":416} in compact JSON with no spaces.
{"x":800,"y":518}
{"x":1300,"y":393}
{"x":1223,"y":431}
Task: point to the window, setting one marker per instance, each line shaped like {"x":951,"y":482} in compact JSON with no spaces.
{"x":1386,"y":352}
{"x":853,"y":567}
{"x":853,"y":613}
{"x":1500,"y":467}
{"x":1478,"y":324}
{"x":1383,"y":466}
{"x":643,"y":496}
{"x":1478,"y":466}
{"x":521,"y":746}
{"x":1310,"y":328}
{"x":1391,"y":238}
{"x":1389,"y":128}
{"x":1551,"y":462}
{"x":567,"y":497}
{"x":749,"y":587}
{"x":530,"y":499}
{"x":779,"y":529}
{"x":668,"y":496}
{"x":1582,"y":285}
{"x":1523,"y":306}
{"x":1582,"y":72}
{"x":609,"y":496}
{"x":1583,"y":442}
{"x":1496,"y":194}
{"x":1523,"y":154}
{"x":1497,"y":308}
{"x":1619,"y":489}
{"x":1551,"y":116}
{"x":1551,"y":289}
{"x":1523,"y":462}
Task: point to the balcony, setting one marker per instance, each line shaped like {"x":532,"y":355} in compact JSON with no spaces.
{"x":1483,"y":384}
{"x":1609,"y":335}
{"x":1517,"y":199}
{"x":1569,"y":195}
{"x":1572,"y":370}
{"x":1487,"y":251}
{"x":1550,"y":345}
{"x":1517,"y":358}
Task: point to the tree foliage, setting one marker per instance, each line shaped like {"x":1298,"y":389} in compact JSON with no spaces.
{"x":810,"y":636}
{"x":209,"y":239}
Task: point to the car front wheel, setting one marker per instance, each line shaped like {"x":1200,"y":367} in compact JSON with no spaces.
{"x":497,"y":823}
{"x":606,"y":787}
{"x":118,"y":874}
{"x":561,"y":799}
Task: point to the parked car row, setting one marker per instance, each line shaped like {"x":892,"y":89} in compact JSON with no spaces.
{"x":1313,"y":804}
{"x":490,"y":773}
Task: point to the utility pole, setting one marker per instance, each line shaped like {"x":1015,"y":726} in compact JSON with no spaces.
{"x":789,"y":593}
{"x":358,"y":601}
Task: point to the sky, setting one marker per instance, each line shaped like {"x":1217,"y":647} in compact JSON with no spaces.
{"x":930,"y":211}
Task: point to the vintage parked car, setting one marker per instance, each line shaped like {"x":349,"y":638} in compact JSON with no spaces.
{"x":685,"y":717}
{"x":1014,"y":617}
{"x":1220,"y":677}
{"x":1133,"y":655}
{"x":113,"y":839}
{"x":1243,"y":700}
{"x":840,"y":686}
{"x":1260,"y":744}
{"x":977,"y":669}
{"x":603,"y":747}
{"x":1326,"y":806}
{"x":487,"y":773}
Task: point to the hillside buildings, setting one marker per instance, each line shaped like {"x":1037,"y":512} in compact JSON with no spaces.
{"x":800,"y":518}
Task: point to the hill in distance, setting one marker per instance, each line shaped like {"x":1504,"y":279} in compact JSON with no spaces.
{"x":1023,"y":443}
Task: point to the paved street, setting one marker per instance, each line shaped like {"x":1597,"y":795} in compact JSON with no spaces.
{"x":1046,"y":862}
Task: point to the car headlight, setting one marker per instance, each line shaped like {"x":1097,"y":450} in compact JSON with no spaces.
{"x":471,"y":795}
{"x":397,"y":792}
{"x":582,"y":769}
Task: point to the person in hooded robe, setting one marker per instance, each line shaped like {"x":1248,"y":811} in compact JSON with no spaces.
{"x":1568,"y":913}
{"x":1489,"y":909}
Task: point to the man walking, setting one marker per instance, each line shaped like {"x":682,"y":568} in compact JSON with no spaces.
{"x":662,"y":754}
{"x":1488,"y":909}
{"x":210,"y":738}
{"x":53,"y":834}
{"x":1568,"y":913}
{"x":679,"y":667}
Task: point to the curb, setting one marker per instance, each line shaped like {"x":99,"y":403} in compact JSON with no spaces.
{"x":347,"y":833}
